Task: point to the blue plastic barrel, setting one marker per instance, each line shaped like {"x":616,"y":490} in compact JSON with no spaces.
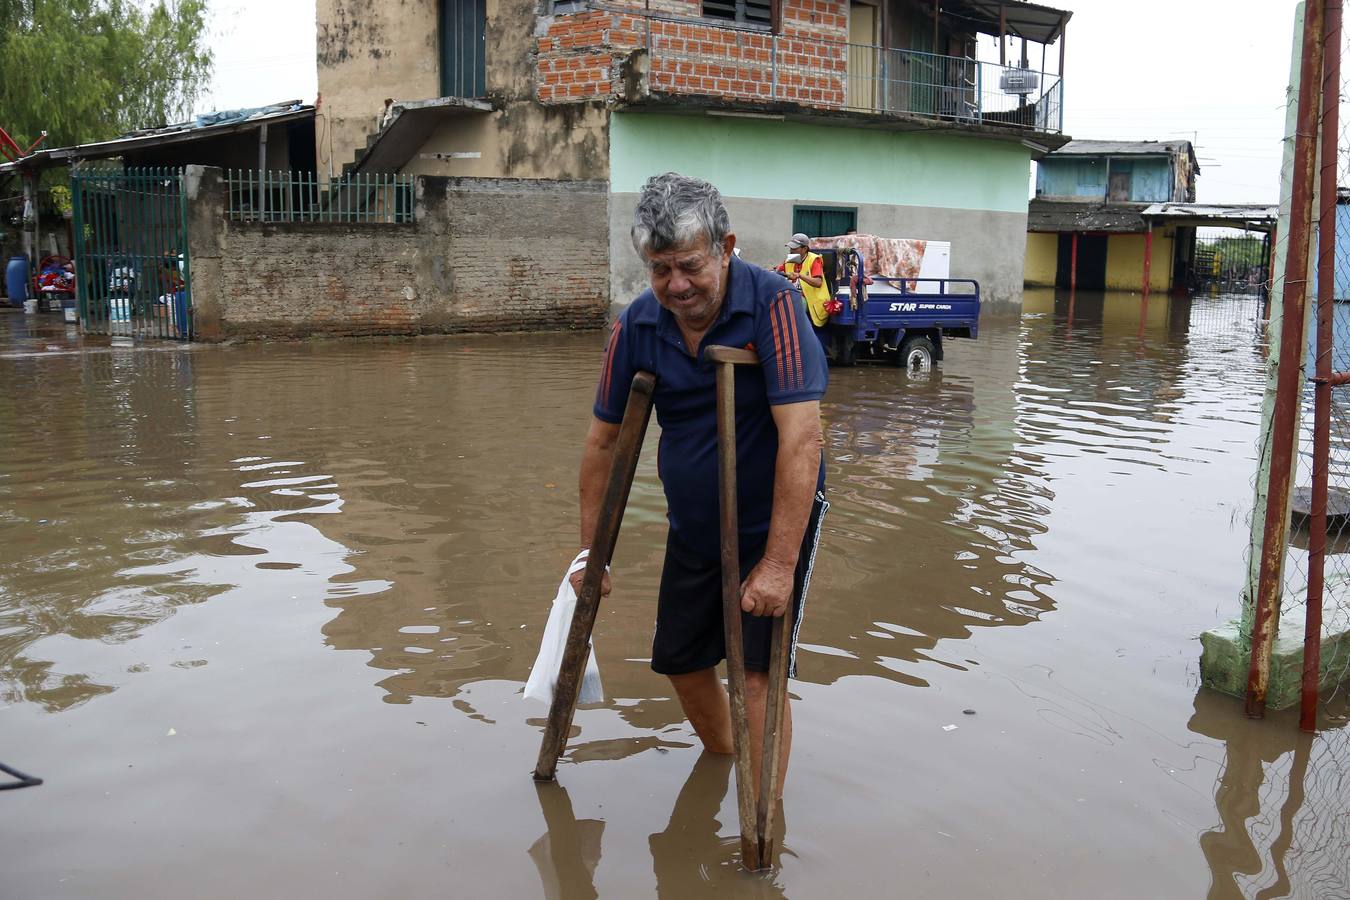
{"x":16,"y":280}
{"x":181,"y":315}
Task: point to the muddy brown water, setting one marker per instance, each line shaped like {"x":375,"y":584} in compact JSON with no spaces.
{"x":266,"y":612}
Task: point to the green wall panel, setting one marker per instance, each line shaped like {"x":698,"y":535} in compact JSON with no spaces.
{"x":819,"y":163}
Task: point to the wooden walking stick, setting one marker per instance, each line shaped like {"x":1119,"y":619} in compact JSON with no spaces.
{"x":626,"y":449}
{"x":756,"y":819}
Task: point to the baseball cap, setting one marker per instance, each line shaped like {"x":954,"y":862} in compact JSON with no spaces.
{"x":798,"y":240}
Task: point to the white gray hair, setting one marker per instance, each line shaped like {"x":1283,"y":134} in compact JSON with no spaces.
{"x":676,"y":210}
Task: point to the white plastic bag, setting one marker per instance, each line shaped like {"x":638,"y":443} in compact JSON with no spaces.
{"x":544,"y":676}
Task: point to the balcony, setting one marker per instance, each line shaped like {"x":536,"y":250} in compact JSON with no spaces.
{"x":906,"y":82}
{"x":730,"y":63}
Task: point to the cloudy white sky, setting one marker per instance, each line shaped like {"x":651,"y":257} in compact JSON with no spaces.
{"x":1204,"y":70}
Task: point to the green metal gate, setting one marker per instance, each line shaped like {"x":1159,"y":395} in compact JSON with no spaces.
{"x":131,"y":252}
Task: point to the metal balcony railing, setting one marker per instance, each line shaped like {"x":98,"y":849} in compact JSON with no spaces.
{"x":750,"y":63}
{"x":952,"y":87}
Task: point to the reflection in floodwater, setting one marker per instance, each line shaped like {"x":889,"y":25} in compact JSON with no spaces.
{"x":568,"y":851}
{"x":106,"y":430}
{"x":1265,"y":842}
{"x":691,"y":859}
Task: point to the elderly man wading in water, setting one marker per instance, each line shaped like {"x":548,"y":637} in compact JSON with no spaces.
{"x":701,"y":295}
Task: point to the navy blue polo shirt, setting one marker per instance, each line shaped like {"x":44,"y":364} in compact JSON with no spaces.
{"x":763,"y":312}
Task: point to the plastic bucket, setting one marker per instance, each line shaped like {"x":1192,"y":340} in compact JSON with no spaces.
{"x":68,"y":310}
{"x":30,"y":307}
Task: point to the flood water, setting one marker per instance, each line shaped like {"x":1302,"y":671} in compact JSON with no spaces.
{"x":266,"y":612}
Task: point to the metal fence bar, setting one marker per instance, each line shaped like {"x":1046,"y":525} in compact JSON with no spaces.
{"x":141,"y":240}
{"x":185,"y":329}
{"x":98,"y":280}
{"x":360,"y":198}
{"x":1326,"y":296}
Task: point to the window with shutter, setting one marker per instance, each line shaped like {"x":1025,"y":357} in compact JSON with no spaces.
{"x":747,"y":12}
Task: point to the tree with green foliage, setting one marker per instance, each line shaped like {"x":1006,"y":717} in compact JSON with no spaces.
{"x":89,"y":70}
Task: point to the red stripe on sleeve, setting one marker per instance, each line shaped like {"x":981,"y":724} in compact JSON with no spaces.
{"x":795,"y":373}
{"x":777,"y":339}
{"x":602,"y":395}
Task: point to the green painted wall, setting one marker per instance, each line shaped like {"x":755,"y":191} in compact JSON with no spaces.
{"x":831,"y":164}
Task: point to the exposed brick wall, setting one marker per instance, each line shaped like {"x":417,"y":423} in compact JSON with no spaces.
{"x":582,"y":56}
{"x":483,"y":255}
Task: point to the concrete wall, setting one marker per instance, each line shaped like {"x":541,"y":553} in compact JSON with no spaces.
{"x":1125,"y":262}
{"x":373,"y":50}
{"x":969,"y":191}
{"x":369,"y":51}
{"x":483,"y":255}
{"x":1042,"y":259}
{"x":523,"y":140}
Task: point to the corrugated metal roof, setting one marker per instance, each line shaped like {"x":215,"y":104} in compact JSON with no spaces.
{"x":203,"y":127}
{"x":1042,"y":24}
{"x":1240,"y":213}
{"x":1123,"y":148}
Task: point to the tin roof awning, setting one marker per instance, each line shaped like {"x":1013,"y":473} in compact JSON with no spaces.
{"x":202,"y":128}
{"x":1254,"y":216}
{"x":413,"y":123}
{"x":1042,"y":24}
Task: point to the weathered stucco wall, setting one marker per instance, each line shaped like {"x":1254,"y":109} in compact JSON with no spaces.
{"x":1042,"y":259}
{"x":522,"y":140}
{"x":373,"y":50}
{"x":483,"y":255}
{"x":368,"y":51}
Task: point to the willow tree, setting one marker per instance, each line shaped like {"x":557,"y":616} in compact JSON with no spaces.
{"x":89,"y":70}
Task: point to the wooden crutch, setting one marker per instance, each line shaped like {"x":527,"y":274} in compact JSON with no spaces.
{"x":756,"y":818}
{"x":626,"y":449}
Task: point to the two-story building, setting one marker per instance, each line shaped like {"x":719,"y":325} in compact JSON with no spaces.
{"x":1087,"y":228}
{"x":902,"y":118}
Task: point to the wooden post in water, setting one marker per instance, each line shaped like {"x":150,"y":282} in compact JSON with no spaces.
{"x":626,"y":450}
{"x":756,"y":818}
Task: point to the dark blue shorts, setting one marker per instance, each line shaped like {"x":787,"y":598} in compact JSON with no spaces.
{"x":690,"y":633}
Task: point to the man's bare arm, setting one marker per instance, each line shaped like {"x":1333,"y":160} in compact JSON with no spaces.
{"x":596,"y":460}
{"x":768,"y":589}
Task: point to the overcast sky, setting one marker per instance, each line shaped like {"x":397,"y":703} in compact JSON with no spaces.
{"x":1204,"y":70}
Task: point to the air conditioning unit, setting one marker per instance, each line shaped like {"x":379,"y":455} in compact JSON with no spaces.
{"x":1019,"y":81}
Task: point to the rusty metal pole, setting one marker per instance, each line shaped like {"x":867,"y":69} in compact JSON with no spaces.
{"x":1326,"y":285}
{"x":1073,"y":263}
{"x":1003,"y":37}
{"x":1148,"y":258}
{"x":1285,"y":415}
